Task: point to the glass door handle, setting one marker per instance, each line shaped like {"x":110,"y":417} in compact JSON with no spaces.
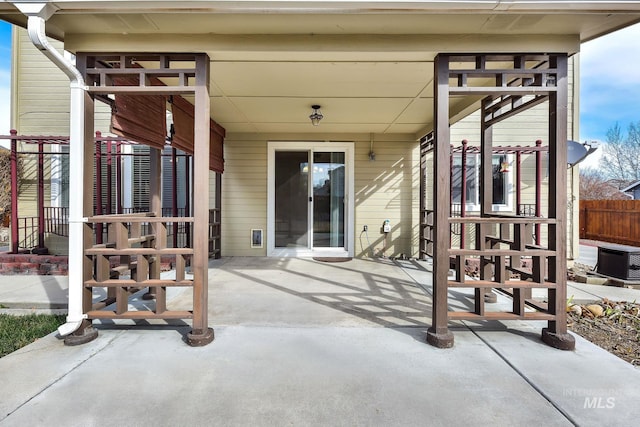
{"x":310,"y":199}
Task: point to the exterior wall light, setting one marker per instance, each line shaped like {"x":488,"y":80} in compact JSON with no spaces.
{"x":316,"y":116}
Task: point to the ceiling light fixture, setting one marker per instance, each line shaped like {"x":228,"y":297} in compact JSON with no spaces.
{"x":316,"y":116}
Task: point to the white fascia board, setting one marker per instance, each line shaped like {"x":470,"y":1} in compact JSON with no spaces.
{"x":342,"y":6}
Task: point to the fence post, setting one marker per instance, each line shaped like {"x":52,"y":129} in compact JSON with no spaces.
{"x":118,"y":177}
{"x":187,"y":199}
{"x":14,"y":192}
{"x":174,"y":194}
{"x":98,"y":204}
{"x":583,"y":220}
{"x":463,"y":192}
{"x":109,"y":207}
{"x":40,"y":194}
{"x":538,"y":188}
{"x":451,"y":193}
{"x":518,"y":183}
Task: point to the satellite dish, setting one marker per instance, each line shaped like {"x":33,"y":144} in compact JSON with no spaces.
{"x":576,"y":152}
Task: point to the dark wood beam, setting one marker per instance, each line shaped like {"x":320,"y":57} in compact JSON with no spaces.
{"x":438,"y":334}
{"x":201,"y":334}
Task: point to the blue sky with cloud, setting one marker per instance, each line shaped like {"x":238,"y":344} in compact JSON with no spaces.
{"x":5,"y":76}
{"x":610,"y":82}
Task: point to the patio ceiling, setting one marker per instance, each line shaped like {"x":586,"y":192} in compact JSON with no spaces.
{"x":370,"y":71}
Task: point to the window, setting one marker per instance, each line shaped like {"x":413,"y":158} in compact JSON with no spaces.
{"x":140,"y":172}
{"x":500,"y":165}
{"x":471,"y":184}
{"x":502,"y":181}
{"x":167,"y":179}
{"x":60,"y":176}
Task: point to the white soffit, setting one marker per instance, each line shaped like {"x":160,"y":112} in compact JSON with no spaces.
{"x":367,"y":63}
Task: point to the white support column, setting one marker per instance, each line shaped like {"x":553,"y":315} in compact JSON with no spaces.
{"x":77,"y":324}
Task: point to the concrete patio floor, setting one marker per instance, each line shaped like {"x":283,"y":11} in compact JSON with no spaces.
{"x":300,"y":342}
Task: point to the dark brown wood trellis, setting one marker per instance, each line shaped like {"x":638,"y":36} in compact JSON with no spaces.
{"x":459,"y":209}
{"x":184,"y":74}
{"x":28,"y":232}
{"x":510,"y":85}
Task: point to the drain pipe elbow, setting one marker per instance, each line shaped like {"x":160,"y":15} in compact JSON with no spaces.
{"x":70,"y":326}
{"x":36,"y":27}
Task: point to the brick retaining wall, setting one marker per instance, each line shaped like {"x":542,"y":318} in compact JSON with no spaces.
{"x":44,"y":265}
{"x":12,"y":264}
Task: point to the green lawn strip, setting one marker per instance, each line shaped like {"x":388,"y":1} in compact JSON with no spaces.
{"x":19,"y":331}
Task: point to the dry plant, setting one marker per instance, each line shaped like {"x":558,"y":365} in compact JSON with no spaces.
{"x":5,"y":183}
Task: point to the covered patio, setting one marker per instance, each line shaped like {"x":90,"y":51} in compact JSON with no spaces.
{"x":303,"y":292}
{"x":381,"y":74}
{"x":293,"y":347}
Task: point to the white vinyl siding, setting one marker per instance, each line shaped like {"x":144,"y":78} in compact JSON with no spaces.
{"x":384,"y":189}
{"x":387,"y":188}
{"x":244,"y":195}
{"x":40,"y":106}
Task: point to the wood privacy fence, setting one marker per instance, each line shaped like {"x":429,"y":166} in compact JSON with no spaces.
{"x":614,"y":221}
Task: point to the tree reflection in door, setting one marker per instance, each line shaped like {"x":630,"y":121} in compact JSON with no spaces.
{"x":328,"y":199}
{"x":295,"y":201}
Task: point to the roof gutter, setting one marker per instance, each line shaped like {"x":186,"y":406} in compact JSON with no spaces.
{"x":345,"y":6}
{"x":37,"y":14}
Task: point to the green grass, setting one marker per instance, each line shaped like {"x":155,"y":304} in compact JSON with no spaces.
{"x":19,"y":331}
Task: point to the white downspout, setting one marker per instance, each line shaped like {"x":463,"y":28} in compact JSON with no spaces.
{"x":38,"y":13}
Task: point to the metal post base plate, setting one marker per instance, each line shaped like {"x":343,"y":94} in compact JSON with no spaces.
{"x":200,"y":338}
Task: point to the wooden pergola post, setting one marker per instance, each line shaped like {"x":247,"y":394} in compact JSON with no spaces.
{"x":129,"y":240}
{"x":201,"y":334}
{"x":439,"y":334}
{"x":556,"y":334}
{"x":510,"y":84}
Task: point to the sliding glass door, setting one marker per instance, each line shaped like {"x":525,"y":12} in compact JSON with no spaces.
{"x":328,"y":199}
{"x":291,"y":195}
{"x":309,"y":200}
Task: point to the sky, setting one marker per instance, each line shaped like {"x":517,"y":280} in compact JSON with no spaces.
{"x":5,"y":77}
{"x":609,"y":83}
